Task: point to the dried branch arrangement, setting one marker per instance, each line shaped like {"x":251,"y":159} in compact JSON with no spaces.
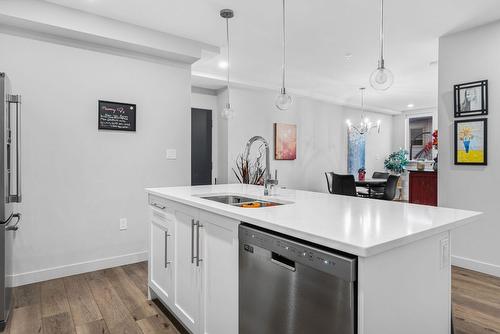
{"x":250,"y":171}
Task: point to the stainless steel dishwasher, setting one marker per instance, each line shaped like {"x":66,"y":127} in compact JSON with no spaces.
{"x":288,"y":286}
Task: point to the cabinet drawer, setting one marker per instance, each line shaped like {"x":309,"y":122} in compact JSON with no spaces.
{"x":157,"y":202}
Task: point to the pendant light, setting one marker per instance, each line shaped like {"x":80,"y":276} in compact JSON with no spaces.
{"x":365,"y":125}
{"x":283,"y":100}
{"x":227,"y":112}
{"x":381,"y":78}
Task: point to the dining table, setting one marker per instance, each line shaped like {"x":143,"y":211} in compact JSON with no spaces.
{"x":371,"y":183}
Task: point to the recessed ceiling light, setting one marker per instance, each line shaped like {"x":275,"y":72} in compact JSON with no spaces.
{"x":223,"y":64}
{"x":348,"y":56}
{"x":411,"y":105}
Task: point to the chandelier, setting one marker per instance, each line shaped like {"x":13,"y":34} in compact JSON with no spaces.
{"x":365,"y":125}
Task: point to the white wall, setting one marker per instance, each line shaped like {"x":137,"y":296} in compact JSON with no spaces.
{"x":463,"y":57}
{"x":321,"y":136}
{"x":205,"y":99}
{"x":78,"y":181}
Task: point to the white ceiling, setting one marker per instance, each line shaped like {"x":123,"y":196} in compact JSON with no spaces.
{"x":320,"y":33}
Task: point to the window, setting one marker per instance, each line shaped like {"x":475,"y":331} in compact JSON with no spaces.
{"x":420,"y":137}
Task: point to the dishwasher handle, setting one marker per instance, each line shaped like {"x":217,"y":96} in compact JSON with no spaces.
{"x":282,"y":261}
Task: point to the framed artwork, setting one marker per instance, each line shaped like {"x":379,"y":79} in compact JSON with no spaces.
{"x":285,"y":141}
{"x":116,"y":116}
{"x":471,"y":99}
{"x":471,"y":142}
{"x":356,"y":144}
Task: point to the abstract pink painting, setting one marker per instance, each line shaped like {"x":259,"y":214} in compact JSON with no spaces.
{"x":285,"y":141}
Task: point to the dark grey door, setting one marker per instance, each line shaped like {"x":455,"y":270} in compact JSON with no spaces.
{"x":201,"y":147}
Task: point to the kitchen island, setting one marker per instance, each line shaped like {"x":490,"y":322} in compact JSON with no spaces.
{"x":403,"y":253}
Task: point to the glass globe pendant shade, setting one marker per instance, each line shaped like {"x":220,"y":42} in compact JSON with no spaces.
{"x":381,"y":79}
{"x":283,"y":100}
{"x":227,"y":112}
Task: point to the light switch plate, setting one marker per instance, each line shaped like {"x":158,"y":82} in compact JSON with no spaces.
{"x":123,"y":224}
{"x":171,"y":154}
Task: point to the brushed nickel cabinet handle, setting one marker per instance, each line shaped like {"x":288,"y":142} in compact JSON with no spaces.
{"x":198,"y":260}
{"x":192,"y":240}
{"x":158,"y":205}
{"x":167,"y":262}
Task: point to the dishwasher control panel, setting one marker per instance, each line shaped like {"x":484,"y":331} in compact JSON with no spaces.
{"x":335,"y":264}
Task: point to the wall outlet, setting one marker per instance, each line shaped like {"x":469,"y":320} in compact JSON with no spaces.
{"x":444,"y":245}
{"x":123,"y":224}
{"x":171,"y":154}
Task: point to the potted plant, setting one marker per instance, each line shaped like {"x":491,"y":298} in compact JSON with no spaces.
{"x":397,"y":161}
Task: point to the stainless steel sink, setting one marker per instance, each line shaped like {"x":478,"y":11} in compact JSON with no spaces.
{"x":241,"y":201}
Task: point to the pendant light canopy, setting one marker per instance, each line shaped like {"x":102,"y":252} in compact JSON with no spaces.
{"x":283,"y":100}
{"x":365,"y":125}
{"x":381,"y":78}
{"x":227,"y":112}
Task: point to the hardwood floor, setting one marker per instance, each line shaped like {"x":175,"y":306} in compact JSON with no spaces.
{"x":110,"y":301}
{"x":476,"y":302}
{"x":114,"y":301}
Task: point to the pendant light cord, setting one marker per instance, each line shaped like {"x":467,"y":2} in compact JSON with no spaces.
{"x":362,"y":104}
{"x":228,"y":61}
{"x":381,"y":64}
{"x":283,"y":66}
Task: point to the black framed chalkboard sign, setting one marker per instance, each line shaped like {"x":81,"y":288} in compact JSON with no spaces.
{"x":116,"y":116}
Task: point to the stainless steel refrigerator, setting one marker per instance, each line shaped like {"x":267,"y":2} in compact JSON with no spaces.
{"x":10,"y":189}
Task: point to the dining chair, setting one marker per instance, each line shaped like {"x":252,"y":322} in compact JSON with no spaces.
{"x":379,"y":175}
{"x":344,"y":185}
{"x":329,"y":181}
{"x":390,"y":189}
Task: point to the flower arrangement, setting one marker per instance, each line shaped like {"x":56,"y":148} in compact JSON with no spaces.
{"x":397,"y":161}
{"x":250,"y":171}
{"x":435,"y":139}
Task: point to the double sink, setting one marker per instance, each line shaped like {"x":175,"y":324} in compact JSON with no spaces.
{"x":241,"y":201}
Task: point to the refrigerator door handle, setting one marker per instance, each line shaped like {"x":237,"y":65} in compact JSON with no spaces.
{"x":14,"y":197}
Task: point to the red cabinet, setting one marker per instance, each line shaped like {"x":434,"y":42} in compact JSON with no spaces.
{"x":423,"y":187}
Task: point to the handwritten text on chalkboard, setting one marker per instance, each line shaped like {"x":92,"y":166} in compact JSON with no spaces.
{"x":116,"y":116}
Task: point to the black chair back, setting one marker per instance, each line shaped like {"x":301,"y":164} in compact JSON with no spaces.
{"x":329,"y":181}
{"x":391,"y":188}
{"x":344,"y":185}
{"x":380,"y":175}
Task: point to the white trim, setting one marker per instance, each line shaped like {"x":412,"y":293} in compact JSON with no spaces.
{"x":483,"y":267}
{"x":75,"y":268}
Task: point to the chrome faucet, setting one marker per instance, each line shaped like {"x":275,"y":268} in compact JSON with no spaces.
{"x":268,"y":181}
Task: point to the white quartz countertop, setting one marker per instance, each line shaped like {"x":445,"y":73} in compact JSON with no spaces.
{"x":360,"y":226}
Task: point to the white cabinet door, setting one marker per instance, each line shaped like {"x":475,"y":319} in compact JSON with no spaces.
{"x":161,"y":255}
{"x":219,"y":254}
{"x":186,"y":273}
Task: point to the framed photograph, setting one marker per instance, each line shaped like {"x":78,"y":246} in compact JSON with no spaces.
{"x":471,"y":142}
{"x":285,"y":141}
{"x":471,"y":99}
{"x":116,"y":116}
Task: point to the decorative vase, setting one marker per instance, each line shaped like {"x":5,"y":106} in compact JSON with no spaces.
{"x":467,"y":145}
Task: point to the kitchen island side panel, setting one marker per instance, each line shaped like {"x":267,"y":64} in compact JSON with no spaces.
{"x":407,"y":289}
